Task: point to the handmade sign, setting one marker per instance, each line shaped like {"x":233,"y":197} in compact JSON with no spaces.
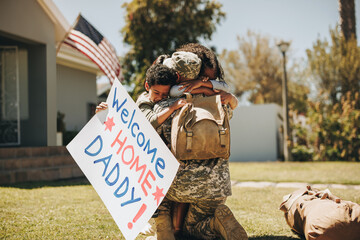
{"x":125,"y":160}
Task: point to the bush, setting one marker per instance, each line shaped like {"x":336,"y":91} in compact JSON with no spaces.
{"x":334,"y":130}
{"x":301,"y":153}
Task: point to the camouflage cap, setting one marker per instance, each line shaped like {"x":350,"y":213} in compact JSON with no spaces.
{"x":187,"y":64}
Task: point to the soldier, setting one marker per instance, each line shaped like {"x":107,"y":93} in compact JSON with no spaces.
{"x":204,"y":184}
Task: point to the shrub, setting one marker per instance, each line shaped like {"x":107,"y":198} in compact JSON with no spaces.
{"x":302,"y":153}
{"x":334,"y":130}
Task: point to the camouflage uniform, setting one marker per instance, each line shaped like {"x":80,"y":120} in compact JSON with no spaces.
{"x":204,"y":184}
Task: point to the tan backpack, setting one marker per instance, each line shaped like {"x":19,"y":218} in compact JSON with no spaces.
{"x":200,"y":129}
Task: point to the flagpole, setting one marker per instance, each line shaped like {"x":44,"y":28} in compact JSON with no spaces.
{"x":67,"y":33}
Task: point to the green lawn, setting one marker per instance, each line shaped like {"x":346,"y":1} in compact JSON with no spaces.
{"x":310,"y":172}
{"x":73,"y":210}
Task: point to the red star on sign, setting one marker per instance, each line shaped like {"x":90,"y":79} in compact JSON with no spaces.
{"x":109,"y":123}
{"x":158,"y":194}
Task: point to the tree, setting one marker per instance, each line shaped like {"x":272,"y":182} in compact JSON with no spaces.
{"x":332,"y":131}
{"x":255,"y":68}
{"x":155,"y":27}
{"x":347,"y":19}
{"x":336,"y":65}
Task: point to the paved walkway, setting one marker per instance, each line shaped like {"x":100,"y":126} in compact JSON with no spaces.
{"x":292,"y":185}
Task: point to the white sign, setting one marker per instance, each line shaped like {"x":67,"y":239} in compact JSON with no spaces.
{"x":125,"y":160}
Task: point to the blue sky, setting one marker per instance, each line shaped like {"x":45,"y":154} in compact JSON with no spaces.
{"x":298,"y":21}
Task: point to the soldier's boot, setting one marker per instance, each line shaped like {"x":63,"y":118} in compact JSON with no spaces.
{"x":225,"y":224}
{"x":164,"y":230}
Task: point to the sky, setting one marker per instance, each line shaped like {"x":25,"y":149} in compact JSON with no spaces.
{"x":301,"y":22}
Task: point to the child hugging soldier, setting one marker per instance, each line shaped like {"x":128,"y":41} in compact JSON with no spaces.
{"x":204,"y":184}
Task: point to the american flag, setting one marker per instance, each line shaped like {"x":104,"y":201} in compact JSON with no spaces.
{"x":85,"y":38}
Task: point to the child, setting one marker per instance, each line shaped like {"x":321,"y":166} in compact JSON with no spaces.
{"x":159,"y":79}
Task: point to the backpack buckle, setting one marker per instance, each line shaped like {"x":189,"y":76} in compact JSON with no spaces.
{"x":189,"y":135}
{"x":222,"y":133}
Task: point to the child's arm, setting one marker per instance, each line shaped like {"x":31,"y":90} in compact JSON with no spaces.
{"x":203,"y":90}
{"x":191,"y":85}
{"x":229,"y":98}
{"x":101,"y":106}
{"x":164,"y":114}
{"x":150,"y":115}
{"x":220,"y":86}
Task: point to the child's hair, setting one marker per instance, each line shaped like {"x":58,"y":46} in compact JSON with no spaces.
{"x":207,"y":57}
{"x":159,"y":74}
{"x":186,"y":64}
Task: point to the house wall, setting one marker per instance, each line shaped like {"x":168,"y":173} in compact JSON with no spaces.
{"x":75,"y":90}
{"x":255,"y":133}
{"x":23,"y":23}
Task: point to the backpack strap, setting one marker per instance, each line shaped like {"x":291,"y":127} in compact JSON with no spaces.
{"x":189,"y":135}
{"x":222,"y":135}
{"x":187,"y":124}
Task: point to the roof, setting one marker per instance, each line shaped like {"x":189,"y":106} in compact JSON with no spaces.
{"x":66,"y":55}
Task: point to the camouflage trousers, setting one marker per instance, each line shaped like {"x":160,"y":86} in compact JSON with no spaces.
{"x":204,"y":184}
{"x":198,"y":217}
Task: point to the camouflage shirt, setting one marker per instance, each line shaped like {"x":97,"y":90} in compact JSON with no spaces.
{"x":196,"y":179}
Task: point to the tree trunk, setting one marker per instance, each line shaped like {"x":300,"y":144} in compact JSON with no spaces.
{"x":347,"y":18}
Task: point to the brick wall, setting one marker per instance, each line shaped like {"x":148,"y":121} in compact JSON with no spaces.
{"x":36,"y":164}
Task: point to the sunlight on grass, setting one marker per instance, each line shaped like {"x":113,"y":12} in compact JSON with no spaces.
{"x":310,"y":172}
{"x":74,"y":212}
{"x":34,"y":211}
{"x":257,"y":209}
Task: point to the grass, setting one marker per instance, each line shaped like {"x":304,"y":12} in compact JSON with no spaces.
{"x":73,"y":210}
{"x":257,"y":210}
{"x":309,"y":172}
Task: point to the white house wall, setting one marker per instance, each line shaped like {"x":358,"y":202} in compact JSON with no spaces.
{"x":255,"y":133}
{"x":75,"y":90}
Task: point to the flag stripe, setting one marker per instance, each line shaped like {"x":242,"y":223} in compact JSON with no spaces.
{"x":110,"y":50}
{"x":112,"y":53}
{"x":80,"y":38}
{"x":92,"y":56}
{"x":68,"y":42}
{"x":108,"y":55}
{"x":86,"y":39}
{"x":90,"y":53}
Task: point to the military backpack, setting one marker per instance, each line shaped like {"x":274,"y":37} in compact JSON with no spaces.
{"x":200,"y":129}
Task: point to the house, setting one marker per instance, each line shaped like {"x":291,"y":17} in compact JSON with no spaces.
{"x":256,"y":134}
{"x":37,"y":80}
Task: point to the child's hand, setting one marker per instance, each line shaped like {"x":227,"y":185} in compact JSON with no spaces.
{"x":204,"y":79}
{"x":178,"y":104}
{"x":191,"y":85}
{"x":101,"y":106}
{"x":228,"y":98}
